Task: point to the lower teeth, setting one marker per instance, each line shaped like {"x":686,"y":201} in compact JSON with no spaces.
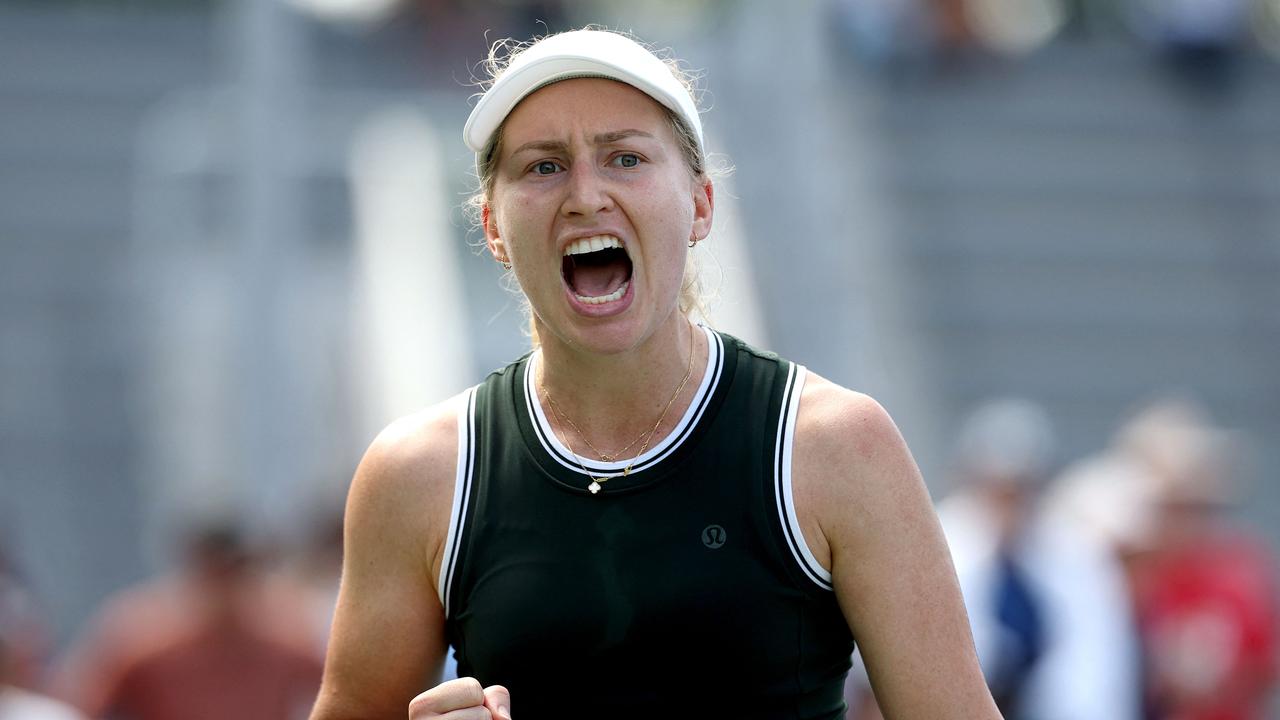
{"x":615,"y":295}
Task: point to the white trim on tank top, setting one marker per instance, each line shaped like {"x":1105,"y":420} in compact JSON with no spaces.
{"x":461,"y":494}
{"x":784,"y":490}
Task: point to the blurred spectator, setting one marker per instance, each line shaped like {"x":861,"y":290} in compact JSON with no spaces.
{"x":21,"y":651}
{"x":1199,"y":38}
{"x":887,"y":32}
{"x":952,"y":22}
{"x":942,"y":33}
{"x":18,"y":703}
{"x":1084,"y":18}
{"x":22,"y":629}
{"x":1266,"y":26}
{"x":1206,"y":591}
{"x":1049,"y":608}
{"x":216,"y":639}
{"x":1110,"y":497}
{"x":1014,"y":27}
{"x":449,"y":26}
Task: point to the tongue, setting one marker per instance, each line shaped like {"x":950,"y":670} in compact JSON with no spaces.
{"x":597,"y":274}
{"x":598,"y":280}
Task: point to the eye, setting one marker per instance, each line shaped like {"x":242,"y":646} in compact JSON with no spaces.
{"x":626,"y":160}
{"x":545,"y":167}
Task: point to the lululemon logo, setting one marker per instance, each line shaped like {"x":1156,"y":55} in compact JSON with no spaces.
{"x":713,"y":536}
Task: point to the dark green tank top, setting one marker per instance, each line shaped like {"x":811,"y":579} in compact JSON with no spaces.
{"x":687,"y":581}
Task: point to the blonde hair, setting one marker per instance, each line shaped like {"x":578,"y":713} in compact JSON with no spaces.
{"x":501,"y":54}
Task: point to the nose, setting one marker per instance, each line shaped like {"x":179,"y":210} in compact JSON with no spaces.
{"x":588,"y":191}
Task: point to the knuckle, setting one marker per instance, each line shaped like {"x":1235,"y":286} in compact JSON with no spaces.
{"x":471,"y":690}
{"x":448,"y":696}
{"x":422,"y":706}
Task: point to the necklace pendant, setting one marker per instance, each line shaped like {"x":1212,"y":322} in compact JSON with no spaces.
{"x":594,"y":487}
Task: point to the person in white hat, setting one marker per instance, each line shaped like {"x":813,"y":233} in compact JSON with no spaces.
{"x":643,"y":517}
{"x":1047,"y":602}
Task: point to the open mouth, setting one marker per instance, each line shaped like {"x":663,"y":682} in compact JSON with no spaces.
{"x":596,"y":269}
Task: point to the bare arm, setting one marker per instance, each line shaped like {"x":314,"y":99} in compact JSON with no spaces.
{"x":388,"y":640}
{"x":867,"y":516}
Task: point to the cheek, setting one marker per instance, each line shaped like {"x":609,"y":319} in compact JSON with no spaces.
{"x":516,"y":218}
{"x":669,"y":211}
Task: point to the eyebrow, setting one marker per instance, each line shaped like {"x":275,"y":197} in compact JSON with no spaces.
{"x":606,"y":138}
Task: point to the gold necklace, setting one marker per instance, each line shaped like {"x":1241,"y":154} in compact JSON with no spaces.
{"x":606,"y":457}
{"x":595,"y":485}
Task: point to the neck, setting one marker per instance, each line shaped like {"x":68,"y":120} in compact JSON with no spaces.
{"x":614,"y":399}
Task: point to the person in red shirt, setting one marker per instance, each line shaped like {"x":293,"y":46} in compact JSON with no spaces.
{"x":215,"y":640}
{"x":1206,"y":592}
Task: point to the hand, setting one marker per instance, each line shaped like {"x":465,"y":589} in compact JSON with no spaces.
{"x":462,"y":699}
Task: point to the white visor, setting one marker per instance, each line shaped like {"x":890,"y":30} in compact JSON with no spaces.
{"x":580,"y":53}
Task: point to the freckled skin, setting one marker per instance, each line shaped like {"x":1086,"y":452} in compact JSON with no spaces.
{"x":636,"y":187}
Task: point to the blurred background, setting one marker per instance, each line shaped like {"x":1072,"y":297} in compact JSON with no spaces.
{"x":232,"y":248}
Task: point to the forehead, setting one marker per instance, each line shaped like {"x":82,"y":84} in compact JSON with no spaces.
{"x":588,"y":105}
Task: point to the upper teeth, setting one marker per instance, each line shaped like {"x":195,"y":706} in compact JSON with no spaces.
{"x":592,"y":244}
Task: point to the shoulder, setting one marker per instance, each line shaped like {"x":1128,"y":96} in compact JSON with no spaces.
{"x":853,"y":470}
{"x":403,"y":488}
{"x":415,"y":452}
{"x":843,"y":423}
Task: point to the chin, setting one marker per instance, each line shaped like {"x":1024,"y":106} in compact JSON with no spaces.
{"x":610,"y":335}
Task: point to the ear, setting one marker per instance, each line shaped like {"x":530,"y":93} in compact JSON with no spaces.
{"x":497,"y":247}
{"x":704,"y":205}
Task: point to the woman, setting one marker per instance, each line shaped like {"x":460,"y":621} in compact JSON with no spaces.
{"x":643,"y":517}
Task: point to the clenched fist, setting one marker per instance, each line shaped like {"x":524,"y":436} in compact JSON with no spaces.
{"x":462,"y":699}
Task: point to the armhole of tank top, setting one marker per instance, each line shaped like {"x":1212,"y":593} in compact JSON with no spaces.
{"x":461,"y":496}
{"x":782,"y":481}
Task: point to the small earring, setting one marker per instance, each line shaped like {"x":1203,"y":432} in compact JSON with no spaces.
{"x":693,"y":241}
